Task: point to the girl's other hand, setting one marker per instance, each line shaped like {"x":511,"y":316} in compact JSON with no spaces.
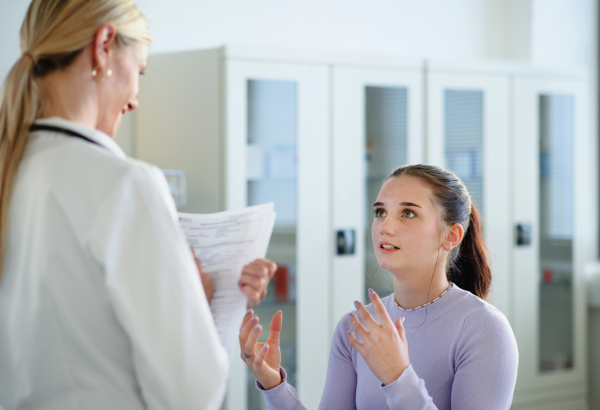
{"x":384,"y":346}
{"x":263,"y":359}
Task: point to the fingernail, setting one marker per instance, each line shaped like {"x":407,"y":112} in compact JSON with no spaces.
{"x":264,"y":348}
{"x":254,"y":319}
{"x":349,"y":333}
{"x":356,"y":303}
{"x":256,"y":328}
{"x":352,"y":315}
{"x":403,"y":319}
{"x":249,"y":312}
{"x":371,"y":292}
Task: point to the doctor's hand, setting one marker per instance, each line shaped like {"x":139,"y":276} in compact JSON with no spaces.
{"x":263,"y":359}
{"x":255,"y":279}
{"x":384,"y":346}
{"x":209,"y":287}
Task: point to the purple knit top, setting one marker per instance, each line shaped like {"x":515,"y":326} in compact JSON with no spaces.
{"x":462,"y":351}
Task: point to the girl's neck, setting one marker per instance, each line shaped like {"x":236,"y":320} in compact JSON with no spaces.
{"x":411,"y":293}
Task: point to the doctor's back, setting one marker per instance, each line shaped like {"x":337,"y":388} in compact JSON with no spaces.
{"x":100,"y":301}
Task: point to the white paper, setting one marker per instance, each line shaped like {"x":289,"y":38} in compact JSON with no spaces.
{"x":225,"y":242}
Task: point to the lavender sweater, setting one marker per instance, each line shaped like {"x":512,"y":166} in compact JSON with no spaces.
{"x":463,"y":355}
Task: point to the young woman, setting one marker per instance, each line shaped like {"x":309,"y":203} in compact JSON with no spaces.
{"x":101,"y":306}
{"x":435,"y":343}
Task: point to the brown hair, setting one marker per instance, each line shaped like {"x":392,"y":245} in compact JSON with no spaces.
{"x":468,"y":265}
{"x":53,"y":34}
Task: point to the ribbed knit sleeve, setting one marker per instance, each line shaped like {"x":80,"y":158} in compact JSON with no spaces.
{"x":486,"y":362}
{"x":408,"y":393}
{"x":340,"y":385}
{"x":282,"y":397}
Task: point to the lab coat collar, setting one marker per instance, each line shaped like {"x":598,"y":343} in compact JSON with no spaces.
{"x":95,"y":135}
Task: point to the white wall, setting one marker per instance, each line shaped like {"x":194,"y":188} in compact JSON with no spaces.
{"x":456,"y":28}
{"x":537,"y":30}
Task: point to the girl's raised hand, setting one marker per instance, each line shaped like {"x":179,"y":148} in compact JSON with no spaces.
{"x":384,"y":346}
{"x":263,"y":359}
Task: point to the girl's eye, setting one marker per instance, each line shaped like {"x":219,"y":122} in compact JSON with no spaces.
{"x":407,"y":213}
{"x":379,"y":213}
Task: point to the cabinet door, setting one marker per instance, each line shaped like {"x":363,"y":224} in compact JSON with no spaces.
{"x":278,"y":149}
{"x":468,"y":133}
{"x":377,"y":127}
{"x":550,"y":203}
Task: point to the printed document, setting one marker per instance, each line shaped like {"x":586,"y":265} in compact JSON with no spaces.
{"x":225,"y":242}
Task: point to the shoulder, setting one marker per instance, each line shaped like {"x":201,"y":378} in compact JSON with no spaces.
{"x":65,"y":163}
{"x":484,"y":326}
{"x":478,"y":312}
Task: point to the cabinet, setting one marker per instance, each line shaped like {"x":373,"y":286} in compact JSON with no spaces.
{"x":551,"y":201}
{"x":377,"y":127}
{"x":249,"y":131}
{"x":318,"y":132}
{"x":468,"y":132}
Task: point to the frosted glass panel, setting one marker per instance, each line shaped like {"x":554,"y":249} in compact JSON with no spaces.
{"x":463,"y":138}
{"x":271,"y":151}
{"x":556,"y":232}
{"x":386,"y":129}
{"x":272,"y":176}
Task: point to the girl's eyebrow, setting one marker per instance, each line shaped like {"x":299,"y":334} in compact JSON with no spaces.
{"x":409,"y":204}
{"x":401,"y":203}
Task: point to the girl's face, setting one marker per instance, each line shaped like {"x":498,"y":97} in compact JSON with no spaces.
{"x":407,"y":237}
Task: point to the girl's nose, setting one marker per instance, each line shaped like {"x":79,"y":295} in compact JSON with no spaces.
{"x":386,"y":228}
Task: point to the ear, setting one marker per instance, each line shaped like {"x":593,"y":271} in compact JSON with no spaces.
{"x":104,"y":42}
{"x":453,"y":237}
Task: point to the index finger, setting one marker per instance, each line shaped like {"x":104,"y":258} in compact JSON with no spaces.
{"x":365,"y":316}
{"x":382,"y":314}
{"x":275,"y":329}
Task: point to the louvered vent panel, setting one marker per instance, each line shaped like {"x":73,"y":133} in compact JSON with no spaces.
{"x":463,"y":134}
{"x":556,"y":166}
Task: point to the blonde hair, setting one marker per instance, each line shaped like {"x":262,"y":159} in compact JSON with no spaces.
{"x":53,"y":34}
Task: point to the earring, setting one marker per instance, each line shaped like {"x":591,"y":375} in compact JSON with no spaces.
{"x":108,"y":75}
{"x":95,"y":73}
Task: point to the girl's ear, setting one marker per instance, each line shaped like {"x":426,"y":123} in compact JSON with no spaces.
{"x":453,"y":237}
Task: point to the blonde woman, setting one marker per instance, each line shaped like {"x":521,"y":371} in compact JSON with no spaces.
{"x":101,"y":305}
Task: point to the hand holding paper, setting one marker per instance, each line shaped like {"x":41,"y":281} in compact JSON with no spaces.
{"x":255,"y":278}
{"x":231,"y":246}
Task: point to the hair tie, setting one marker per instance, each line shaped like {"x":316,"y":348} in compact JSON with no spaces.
{"x":31,"y":57}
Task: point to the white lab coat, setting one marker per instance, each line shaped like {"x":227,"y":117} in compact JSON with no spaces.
{"x":101,"y":306}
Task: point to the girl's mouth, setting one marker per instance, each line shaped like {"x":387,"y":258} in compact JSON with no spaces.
{"x":389,"y":247}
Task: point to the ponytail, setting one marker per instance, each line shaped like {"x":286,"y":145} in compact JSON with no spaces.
{"x":468,"y":266}
{"x":52,"y":35}
{"x":471,"y":270}
{"x":18,"y":109}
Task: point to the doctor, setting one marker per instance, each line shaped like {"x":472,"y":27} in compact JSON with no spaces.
{"x":101,"y":306}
